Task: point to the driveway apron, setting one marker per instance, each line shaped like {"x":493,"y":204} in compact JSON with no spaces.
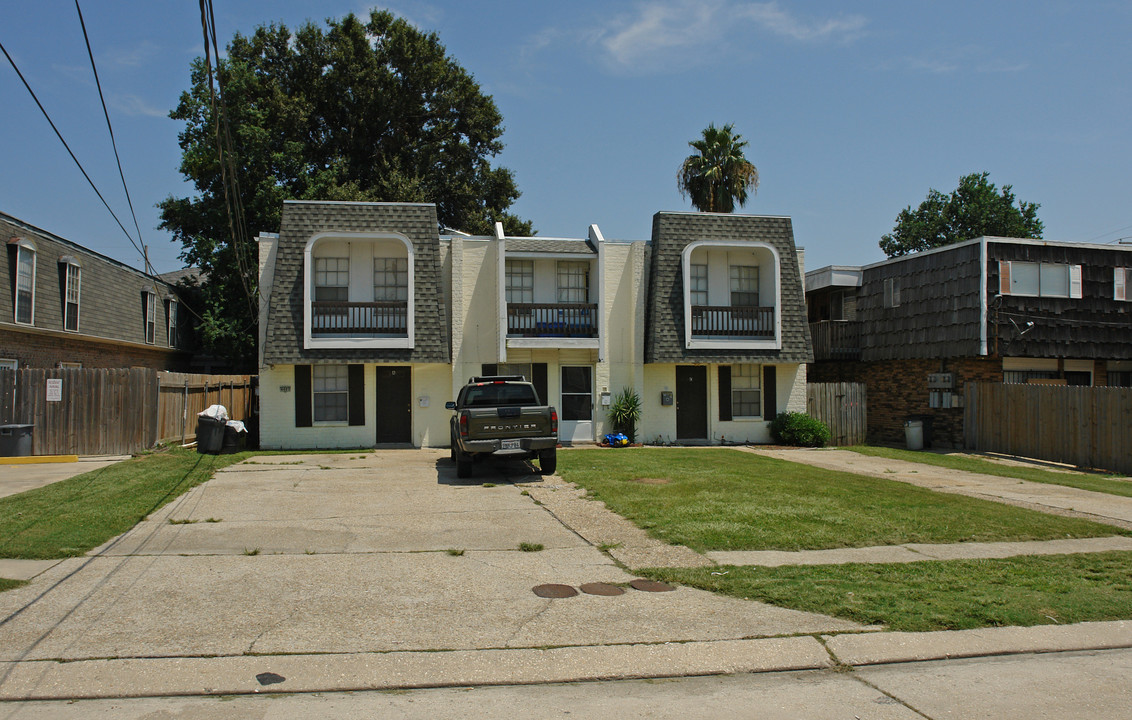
{"x":376,"y":552}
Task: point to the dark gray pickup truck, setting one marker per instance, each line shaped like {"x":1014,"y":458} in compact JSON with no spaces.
{"x":500,"y":416}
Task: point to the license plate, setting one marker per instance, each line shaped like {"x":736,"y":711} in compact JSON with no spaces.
{"x":508,"y":444}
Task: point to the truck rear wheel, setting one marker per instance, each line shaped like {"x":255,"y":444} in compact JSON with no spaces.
{"x":463,"y":465}
{"x":548,"y":461}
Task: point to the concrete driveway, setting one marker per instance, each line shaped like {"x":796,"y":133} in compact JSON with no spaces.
{"x":378,"y":569}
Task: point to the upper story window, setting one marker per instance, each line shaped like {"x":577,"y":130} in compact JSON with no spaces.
{"x":25,"y":282}
{"x":171,"y":321}
{"x":697,"y":284}
{"x":892,"y":292}
{"x":71,"y":295}
{"x":520,"y":281}
{"x":1121,"y":280}
{"x":573,"y":281}
{"x":390,"y":279}
{"x":332,"y":279}
{"x":1031,"y":279}
{"x":744,"y":285}
{"x":150,"y":317}
{"x":358,"y":290}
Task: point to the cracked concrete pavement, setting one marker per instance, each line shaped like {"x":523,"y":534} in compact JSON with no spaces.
{"x":319,"y":563}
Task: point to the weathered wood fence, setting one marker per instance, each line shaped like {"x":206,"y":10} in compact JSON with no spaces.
{"x":841,"y":406}
{"x":113,"y":412}
{"x":1084,"y":426}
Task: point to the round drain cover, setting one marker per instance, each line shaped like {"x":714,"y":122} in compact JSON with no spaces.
{"x":554,"y":591}
{"x":602,"y":589}
{"x":650,"y":585}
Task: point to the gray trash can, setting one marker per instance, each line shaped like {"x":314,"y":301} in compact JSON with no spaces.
{"x":914,"y":434}
{"x":15,"y":440}
{"x":210,"y":434}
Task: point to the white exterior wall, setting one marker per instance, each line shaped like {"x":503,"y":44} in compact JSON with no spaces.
{"x":658,"y":422}
{"x":623,"y":323}
{"x":475,"y":309}
{"x":277,"y":412}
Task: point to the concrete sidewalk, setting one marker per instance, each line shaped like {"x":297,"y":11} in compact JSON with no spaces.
{"x":22,"y":477}
{"x":1112,"y":510}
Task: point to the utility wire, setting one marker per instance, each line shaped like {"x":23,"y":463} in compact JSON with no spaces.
{"x":226,"y":154}
{"x":145,"y":255}
{"x":69,"y":151}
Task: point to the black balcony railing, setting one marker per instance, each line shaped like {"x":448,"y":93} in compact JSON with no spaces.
{"x":359,"y":318}
{"x":565,"y":320}
{"x":836,"y":339}
{"x":732,"y":321}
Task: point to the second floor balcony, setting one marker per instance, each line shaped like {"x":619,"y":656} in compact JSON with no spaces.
{"x":552,"y":320}
{"x":359,"y":319}
{"x":836,"y":339}
{"x":732,"y":321}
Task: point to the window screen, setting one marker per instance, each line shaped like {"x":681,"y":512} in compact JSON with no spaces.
{"x":331,"y":389}
{"x":331,"y":278}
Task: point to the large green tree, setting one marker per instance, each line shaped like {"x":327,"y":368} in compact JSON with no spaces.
{"x":361,"y":109}
{"x":718,"y":174}
{"x":973,"y":209}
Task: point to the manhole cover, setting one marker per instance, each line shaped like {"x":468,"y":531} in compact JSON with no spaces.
{"x":650,"y":585}
{"x":269,"y":678}
{"x":602,"y":589}
{"x":554,"y":591}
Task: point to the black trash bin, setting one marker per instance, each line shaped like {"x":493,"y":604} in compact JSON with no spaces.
{"x":15,"y":440}
{"x":210,"y":434}
{"x":234,"y":440}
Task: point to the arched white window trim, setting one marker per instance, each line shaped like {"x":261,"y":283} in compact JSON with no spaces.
{"x":308,"y":286}
{"x":731,"y":343}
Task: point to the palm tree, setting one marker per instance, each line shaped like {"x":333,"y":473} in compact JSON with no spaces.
{"x":719,"y":174}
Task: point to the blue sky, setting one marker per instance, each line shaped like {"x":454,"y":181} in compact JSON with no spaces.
{"x":852,"y":109}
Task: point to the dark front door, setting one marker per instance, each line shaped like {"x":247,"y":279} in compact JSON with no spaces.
{"x":394,"y":405}
{"x":691,"y":402}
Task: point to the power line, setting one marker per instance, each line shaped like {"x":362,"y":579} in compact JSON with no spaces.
{"x":113,"y":143}
{"x":68,"y":147}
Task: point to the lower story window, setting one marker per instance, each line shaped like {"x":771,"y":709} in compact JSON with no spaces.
{"x":745,"y":391}
{"x":331,"y":389}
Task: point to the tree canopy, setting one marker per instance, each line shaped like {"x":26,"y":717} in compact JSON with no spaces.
{"x":718,"y":174}
{"x":365,"y":110}
{"x":973,"y":209}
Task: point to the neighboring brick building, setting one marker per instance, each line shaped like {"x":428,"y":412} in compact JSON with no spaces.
{"x":67,"y":306}
{"x":915,"y":329}
{"x":374,"y":320}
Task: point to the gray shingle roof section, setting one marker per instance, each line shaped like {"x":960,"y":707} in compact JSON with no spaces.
{"x":303,"y":220}
{"x":671,"y":233}
{"x":579,"y":247}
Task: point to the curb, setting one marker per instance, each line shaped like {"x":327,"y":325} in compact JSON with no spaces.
{"x":37,"y":459}
{"x":357,"y":672}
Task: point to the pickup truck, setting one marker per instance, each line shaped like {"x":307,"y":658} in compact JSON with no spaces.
{"x":500,"y":416}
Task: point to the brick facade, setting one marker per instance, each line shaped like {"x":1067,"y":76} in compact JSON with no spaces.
{"x":34,"y":350}
{"x":898,"y":389}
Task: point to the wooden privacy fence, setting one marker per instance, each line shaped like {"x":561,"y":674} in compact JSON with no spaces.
{"x":842,"y":407}
{"x":114,"y":412}
{"x":1083,"y":426}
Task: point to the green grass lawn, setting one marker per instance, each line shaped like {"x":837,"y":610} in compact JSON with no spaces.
{"x":1084,"y":481}
{"x":937,"y":595}
{"x":723,"y":499}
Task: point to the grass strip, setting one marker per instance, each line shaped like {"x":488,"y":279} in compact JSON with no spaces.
{"x":724,"y":499}
{"x":1083,"y":481}
{"x":936,"y":595}
{"x":6,"y":584}
{"x":70,"y":517}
